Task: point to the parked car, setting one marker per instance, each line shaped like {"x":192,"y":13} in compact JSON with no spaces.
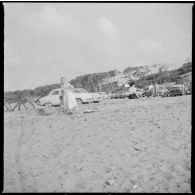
{"x":147,"y":93}
{"x":187,"y":92}
{"x":121,"y":94}
{"x":176,"y":90}
{"x":81,"y":95}
{"x":104,"y":95}
{"x":125,"y":93}
{"x":115,"y":95}
{"x":95,"y":96}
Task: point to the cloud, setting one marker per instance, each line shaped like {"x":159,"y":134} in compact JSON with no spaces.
{"x":150,"y":46}
{"x":54,"y":39}
{"x":47,"y":21}
{"x":107,"y":27}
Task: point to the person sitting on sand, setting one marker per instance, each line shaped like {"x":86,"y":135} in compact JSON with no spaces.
{"x":133,"y":93}
{"x":67,"y":99}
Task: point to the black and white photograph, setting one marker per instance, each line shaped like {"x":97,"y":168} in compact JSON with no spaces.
{"x":97,"y":97}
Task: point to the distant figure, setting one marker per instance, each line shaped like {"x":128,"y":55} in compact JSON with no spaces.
{"x":151,"y":89}
{"x":67,"y":99}
{"x":183,"y":86}
{"x":132,"y":91}
{"x":156,"y":89}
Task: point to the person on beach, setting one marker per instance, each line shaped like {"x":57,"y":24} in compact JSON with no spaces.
{"x":133,"y":93}
{"x":183,"y":86}
{"x":151,"y":89}
{"x":67,"y":100}
{"x":156,"y":89}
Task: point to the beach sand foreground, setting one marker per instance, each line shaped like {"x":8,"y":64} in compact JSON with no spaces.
{"x":124,"y":146}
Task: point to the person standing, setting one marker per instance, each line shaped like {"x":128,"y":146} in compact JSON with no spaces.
{"x":151,"y":89}
{"x":156,"y":89}
{"x":67,"y":99}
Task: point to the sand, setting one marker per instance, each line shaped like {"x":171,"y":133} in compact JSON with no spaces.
{"x":124,"y":146}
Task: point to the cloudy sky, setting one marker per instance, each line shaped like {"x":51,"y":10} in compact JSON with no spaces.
{"x":44,"y":41}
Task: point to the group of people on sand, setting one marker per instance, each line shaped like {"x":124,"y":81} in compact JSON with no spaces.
{"x":153,"y":88}
{"x":68,"y":103}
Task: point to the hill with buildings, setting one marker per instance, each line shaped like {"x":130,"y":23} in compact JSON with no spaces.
{"x":111,"y":80}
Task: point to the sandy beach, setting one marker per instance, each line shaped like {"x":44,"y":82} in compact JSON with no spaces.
{"x":124,"y":146}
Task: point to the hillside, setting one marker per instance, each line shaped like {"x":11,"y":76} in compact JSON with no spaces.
{"x":166,"y":76}
{"x":152,"y":69}
{"x":91,"y":81}
{"x":145,"y":75}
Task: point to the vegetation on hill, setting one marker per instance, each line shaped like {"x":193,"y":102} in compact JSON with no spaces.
{"x":91,"y":81}
{"x":165,"y":76}
{"x":37,"y":92}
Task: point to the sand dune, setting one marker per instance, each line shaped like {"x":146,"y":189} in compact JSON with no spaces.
{"x":124,"y":146}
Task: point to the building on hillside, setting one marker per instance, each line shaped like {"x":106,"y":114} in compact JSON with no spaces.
{"x":108,"y":87}
{"x":163,"y":69}
{"x":134,"y":75}
{"x":110,"y":83}
{"x":120,"y":79}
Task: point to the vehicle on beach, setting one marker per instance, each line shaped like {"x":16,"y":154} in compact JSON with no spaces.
{"x":95,"y":96}
{"x":81,"y":95}
{"x":121,"y":94}
{"x":114,"y":95}
{"x":104,"y":95}
{"x":125,"y":93}
{"x":117,"y":95}
{"x":147,"y":93}
{"x":176,"y":90}
{"x":20,"y":104}
{"x":187,"y":92}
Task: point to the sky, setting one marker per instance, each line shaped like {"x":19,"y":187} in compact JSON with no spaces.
{"x":45,"y":41}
